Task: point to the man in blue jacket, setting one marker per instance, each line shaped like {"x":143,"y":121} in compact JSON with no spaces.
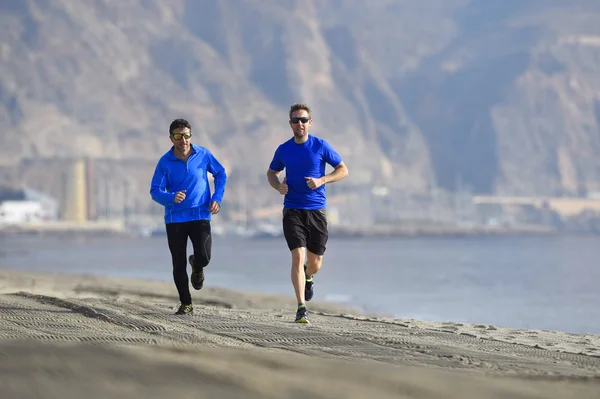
{"x":180,"y":184}
{"x":304,"y":157}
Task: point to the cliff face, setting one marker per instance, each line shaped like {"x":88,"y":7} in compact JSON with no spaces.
{"x":499,"y":98}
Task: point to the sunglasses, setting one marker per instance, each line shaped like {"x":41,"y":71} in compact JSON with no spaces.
{"x":296,"y":120}
{"x":178,"y":136}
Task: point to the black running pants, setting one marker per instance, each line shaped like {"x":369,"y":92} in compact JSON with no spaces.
{"x":177,"y":235}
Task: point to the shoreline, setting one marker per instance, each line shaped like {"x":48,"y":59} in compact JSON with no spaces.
{"x":116,"y":337}
{"x":236,"y":298}
{"x":408,"y":230}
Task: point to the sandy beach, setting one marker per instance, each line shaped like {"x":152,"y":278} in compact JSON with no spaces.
{"x":67,"y":336}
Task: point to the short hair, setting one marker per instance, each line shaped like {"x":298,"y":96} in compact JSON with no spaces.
{"x":299,"y":107}
{"x":179,"y":124}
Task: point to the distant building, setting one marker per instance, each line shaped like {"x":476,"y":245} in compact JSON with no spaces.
{"x":26,"y":205}
{"x":14,"y":212}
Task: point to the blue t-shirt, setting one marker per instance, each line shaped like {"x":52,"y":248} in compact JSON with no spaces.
{"x":304,"y":160}
{"x":172,"y":175}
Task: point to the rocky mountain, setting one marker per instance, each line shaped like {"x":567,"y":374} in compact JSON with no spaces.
{"x":495,"y":96}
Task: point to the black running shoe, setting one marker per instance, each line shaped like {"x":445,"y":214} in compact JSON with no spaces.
{"x":197,"y":278}
{"x":302,"y":315}
{"x":185,"y":309}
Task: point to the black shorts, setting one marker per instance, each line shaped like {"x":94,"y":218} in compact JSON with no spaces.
{"x":306,"y":228}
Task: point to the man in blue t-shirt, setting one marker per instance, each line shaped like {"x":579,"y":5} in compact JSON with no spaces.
{"x":304,"y":206}
{"x":180,"y":184}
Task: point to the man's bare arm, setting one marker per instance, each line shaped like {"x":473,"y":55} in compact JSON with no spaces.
{"x":339,"y":172}
{"x":273,"y":177}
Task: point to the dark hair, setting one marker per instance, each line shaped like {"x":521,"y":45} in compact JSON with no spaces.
{"x":298,"y":107}
{"x":179,"y":124}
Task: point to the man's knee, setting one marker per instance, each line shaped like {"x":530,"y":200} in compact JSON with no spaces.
{"x":298,"y":256}
{"x":316,"y":260}
{"x":314,"y":263}
{"x":202,"y":259}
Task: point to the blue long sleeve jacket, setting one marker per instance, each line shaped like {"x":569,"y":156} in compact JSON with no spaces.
{"x":172,"y":175}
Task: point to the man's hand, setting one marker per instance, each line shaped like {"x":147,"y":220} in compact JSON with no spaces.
{"x":283,"y":187}
{"x":214,"y":207}
{"x":180,"y":196}
{"x":314,"y":183}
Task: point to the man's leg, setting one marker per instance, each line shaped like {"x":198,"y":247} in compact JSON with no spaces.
{"x":298,"y":273}
{"x":177,"y":234}
{"x":313,"y":265}
{"x":201,"y":238}
{"x":317,"y":242}
{"x":295,"y":233}
{"x":298,"y":281}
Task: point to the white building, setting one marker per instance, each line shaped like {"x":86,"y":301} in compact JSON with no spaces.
{"x":27,"y":205}
{"x":12,"y":212}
